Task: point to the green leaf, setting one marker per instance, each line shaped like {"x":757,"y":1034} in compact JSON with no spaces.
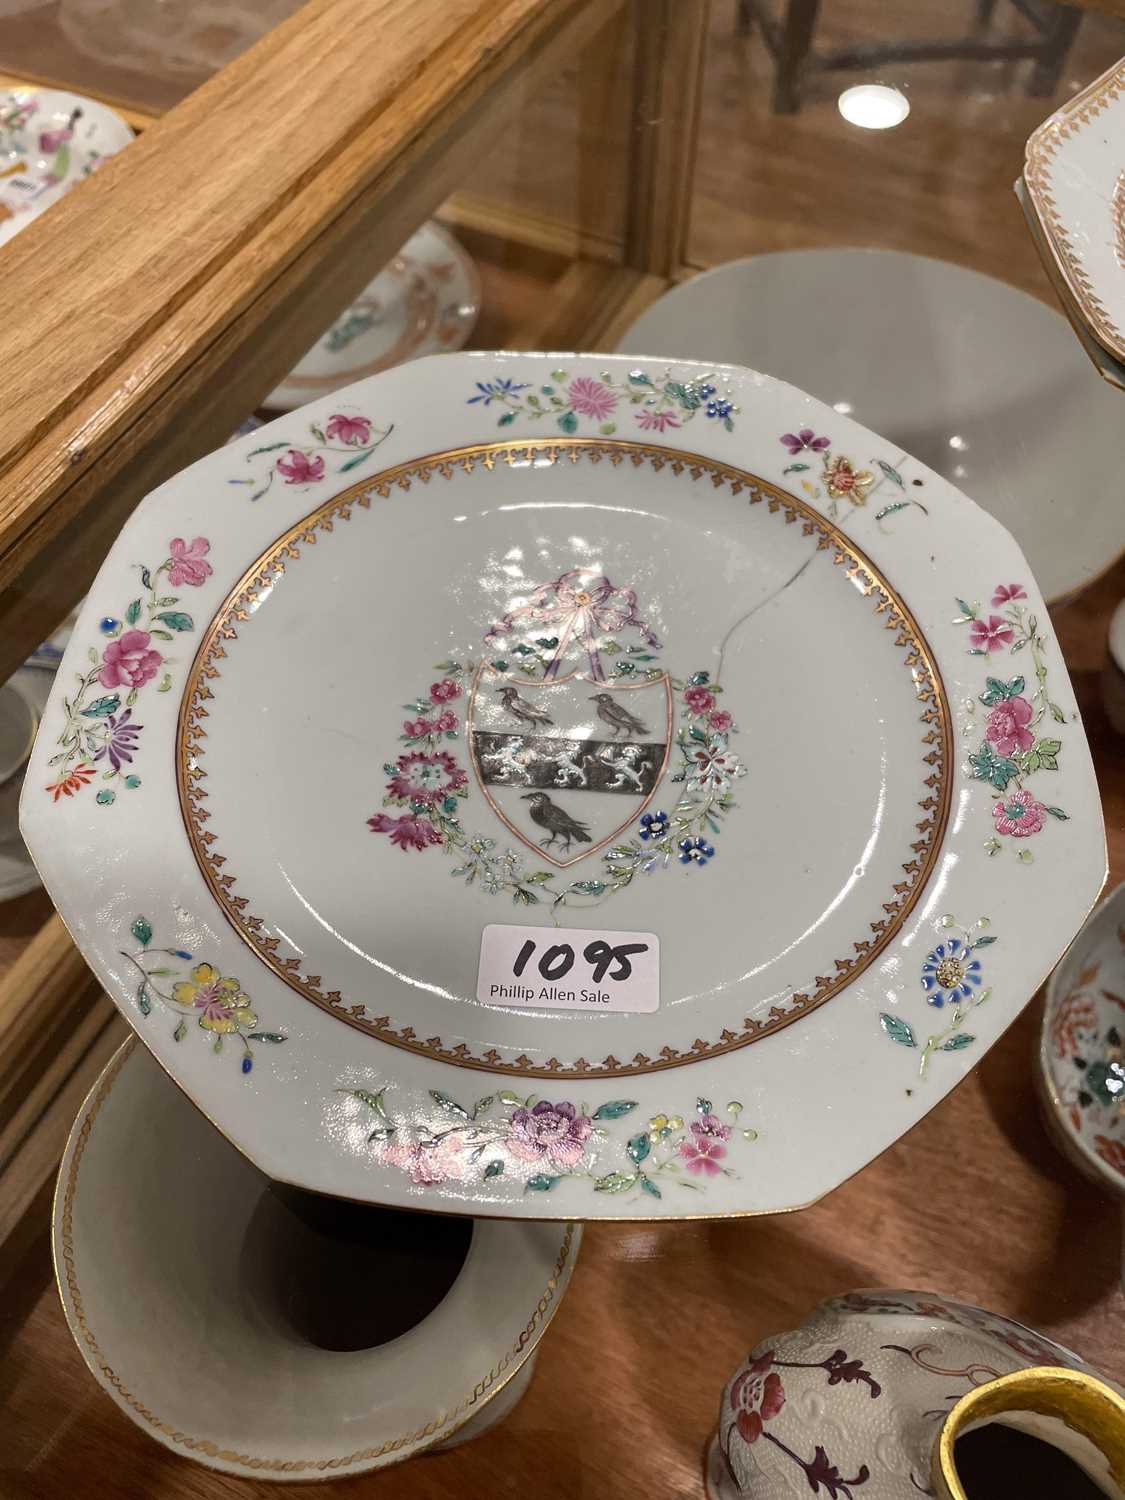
{"x":373,"y":1101}
{"x":1052,"y":747}
{"x":897,"y":1029}
{"x":354,"y":463}
{"x":614,"y":1109}
{"x":983,"y":942}
{"x":650,"y":1187}
{"x":146,"y":577}
{"x":179,"y":1033}
{"x":268,"y":448}
{"x":704,"y":1106}
{"x":443,"y":1101}
{"x":165,"y":683}
{"x":607,"y":428}
{"x":638,"y":1146}
{"x":614,"y":1182}
{"x":144,"y":1004}
{"x":994,"y":692}
{"x":892,"y":474}
{"x":380,"y":1133}
{"x":175,"y":619}
{"x":265,"y":1036}
{"x":558,"y":375}
{"x":161,"y":635}
{"x":540,"y":1183}
{"x":102,"y":707}
{"x":217,"y":1044}
{"x":795,"y":469}
{"x":568,"y":422}
{"x":955,"y":1043}
{"x":1057,"y":812}
{"x":142,"y":931}
{"x":1048,"y":761}
{"x":969,"y":610}
{"x":890,"y":510}
{"x":133,"y":613}
{"x":1057,"y":714}
{"x":494,"y":1169}
{"x":507,"y":1097}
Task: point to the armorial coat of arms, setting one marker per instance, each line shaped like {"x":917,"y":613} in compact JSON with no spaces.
{"x":586,"y":750}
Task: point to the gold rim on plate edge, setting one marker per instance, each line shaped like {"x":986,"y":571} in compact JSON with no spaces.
{"x":857,"y":568}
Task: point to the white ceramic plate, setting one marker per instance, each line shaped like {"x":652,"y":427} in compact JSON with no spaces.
{"x":49,"y":142}
{"x":179,"y":1272}
{"x":973,"y":377}
{"x":1082,"y":1046}
{"x":278,"y":792}
{"x":425,"y":302}
{"x":1074,"y":169}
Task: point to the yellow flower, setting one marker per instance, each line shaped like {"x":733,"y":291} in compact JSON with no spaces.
{"x":844,"y":482}
{"x":217,"y":1000}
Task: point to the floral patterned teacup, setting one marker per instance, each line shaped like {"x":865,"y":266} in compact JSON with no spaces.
{"x":866,"y":1401}
{"x":275,"y":1334}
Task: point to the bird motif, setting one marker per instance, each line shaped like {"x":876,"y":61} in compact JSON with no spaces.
{"x":559,"y":824}
{"x":521,"y":709}
{"x":619,"y":719}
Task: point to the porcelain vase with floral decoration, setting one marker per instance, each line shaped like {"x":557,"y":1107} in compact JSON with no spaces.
{"x":865,"y":1401}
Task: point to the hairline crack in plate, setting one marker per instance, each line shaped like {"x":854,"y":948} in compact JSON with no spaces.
{"x":796,"y":694}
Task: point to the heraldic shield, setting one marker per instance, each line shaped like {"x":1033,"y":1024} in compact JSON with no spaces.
{"x":569,"y":763}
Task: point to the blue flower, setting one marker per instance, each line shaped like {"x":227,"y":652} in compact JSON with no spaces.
{"x":950,"y":973}
{"x":695,"y":851}
{"x":654,"y":825}
{"x":107,"y":623}
{"x":495,"y":390}
{"x":719,"y":408}
{"x":705,"y":392}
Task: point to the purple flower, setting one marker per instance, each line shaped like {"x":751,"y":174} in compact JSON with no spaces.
{"x":121,"y":740}
{"x":806,"y":438}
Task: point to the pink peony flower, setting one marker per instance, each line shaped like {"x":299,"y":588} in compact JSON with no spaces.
{"x":1019,"y":814}
{"x":990,"y":635}
{"x":719,"y":720}
{"x":426,"y":777}
{"x":416,"y":728}
{"x":656,"y":421}
{"x":1007,"y":729}
{"x":188,"y":562}
{"x":445,"y":721}
{"x":428,"y":1162}
{"x":554,"y":1133}
{"x":756,"y":1396}
{"x":407,"y":832}
{"x":590,"y":398}
{"x":353,"y":430}
{"x":51,"y":140}
{"x":699,"y":699}
{"x":129,"y":661}
{"x":711,"y":1125}
{"x":703,"y":1154}
{"x":445,"y":690}
{"x":300,"y":469}
{"x":1005,"y":592}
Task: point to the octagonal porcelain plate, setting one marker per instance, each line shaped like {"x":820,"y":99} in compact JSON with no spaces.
{"x":544,"y":641}
{"x":1074,"y":170}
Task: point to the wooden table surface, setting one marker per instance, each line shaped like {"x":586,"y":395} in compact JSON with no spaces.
{"x":974,"y":1202}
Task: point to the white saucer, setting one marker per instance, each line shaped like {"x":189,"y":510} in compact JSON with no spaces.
{"x":425,"y":302}
{"x":978,"y":380}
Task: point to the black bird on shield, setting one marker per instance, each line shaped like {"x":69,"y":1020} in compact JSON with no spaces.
{"x":558,"y":824}
{"x":619,"y":719}
{"x":520,"y":708}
